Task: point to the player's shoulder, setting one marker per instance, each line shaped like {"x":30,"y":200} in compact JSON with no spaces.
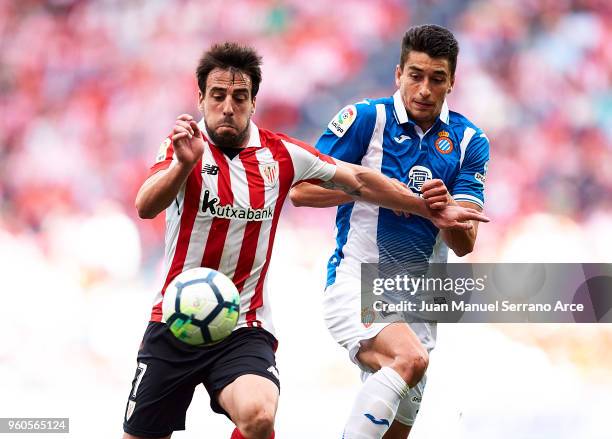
{"x":461,"y":126}
{"x":266,"y":135}
{"x":271,"y":139}
{"x":368,"y":106}
{"x":360,"y":115}
{"x":289,"y":142}
{"x":387,"y":100}
{"x":363,"y":109}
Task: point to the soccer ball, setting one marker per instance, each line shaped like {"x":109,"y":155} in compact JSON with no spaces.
{"x":201,"y":306}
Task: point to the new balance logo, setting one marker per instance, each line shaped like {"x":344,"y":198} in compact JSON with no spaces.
{"x":381,"y":421}
{"x":401,"y":138}
{"x":210,"y":169}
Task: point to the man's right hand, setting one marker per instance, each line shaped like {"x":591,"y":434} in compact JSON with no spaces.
{"x":187,"y":140}
{"x":436,"y":194}
{"x":456,"y":217}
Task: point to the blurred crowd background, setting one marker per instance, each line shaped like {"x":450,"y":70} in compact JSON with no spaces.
{"x":89,"y":89}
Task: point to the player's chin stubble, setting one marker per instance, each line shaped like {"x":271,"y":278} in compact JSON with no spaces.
{"x":228,"y":140}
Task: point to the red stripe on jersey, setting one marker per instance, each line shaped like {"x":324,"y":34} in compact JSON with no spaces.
{"x":191,"y":205}
{"x":311,"y":149}
{"x":219,"y":226}
{"x":253,"y":228}
{"x":285,"y":177}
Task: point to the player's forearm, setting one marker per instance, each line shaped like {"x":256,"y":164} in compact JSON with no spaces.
{"x":461,"y":241}
{"x":310,"y":195}
{"x":380,"y":190}
{"x":159,"y":190}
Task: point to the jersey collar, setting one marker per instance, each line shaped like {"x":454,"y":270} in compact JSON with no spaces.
{"x":402,"y":115}
{"x":253,"y":142}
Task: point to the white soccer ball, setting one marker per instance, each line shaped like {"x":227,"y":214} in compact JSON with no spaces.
{"x":201,"y":306}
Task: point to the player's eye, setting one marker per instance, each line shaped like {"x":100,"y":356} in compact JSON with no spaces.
{"x":438,"y":80}
{"x":240,"y":97}
{"x":415,"y":76}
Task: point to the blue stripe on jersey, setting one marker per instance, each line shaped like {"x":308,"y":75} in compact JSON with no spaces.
{"x":342,"y":224}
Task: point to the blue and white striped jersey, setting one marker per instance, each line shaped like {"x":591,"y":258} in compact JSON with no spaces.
{"x":378,"y":133}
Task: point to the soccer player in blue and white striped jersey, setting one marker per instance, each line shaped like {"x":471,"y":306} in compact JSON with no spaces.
{"x":442,"y":156}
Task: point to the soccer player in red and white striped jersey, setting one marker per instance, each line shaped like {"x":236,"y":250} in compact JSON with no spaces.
{"x":222,"y":184}
{"x":225,"y":215}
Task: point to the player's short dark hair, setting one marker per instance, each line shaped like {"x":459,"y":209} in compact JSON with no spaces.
{"x":436,"y":41}
{"x":233,"y":57}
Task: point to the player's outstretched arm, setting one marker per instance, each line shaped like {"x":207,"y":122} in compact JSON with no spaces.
{"x":312,"y":195}
{"x":368,"y":185}
{"x":158,"y":191}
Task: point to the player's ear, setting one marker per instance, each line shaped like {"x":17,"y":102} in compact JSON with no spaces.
{"x":452,"y":84}
{"x":201,"y":101}
{"x":254,"y":105}
{"x":398,"y":74}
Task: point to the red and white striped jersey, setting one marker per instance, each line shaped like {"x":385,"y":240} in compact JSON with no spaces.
{"x":226,"y":214}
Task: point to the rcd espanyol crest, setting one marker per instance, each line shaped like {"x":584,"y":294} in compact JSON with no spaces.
{"x":269,"y":173}
{"x":444,"y":144}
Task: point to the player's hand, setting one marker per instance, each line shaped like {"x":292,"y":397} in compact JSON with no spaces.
{"x":456,"y":217}
{"x":436,"y":194}
{"x":187,"y":140}
{"x":400,"y":186}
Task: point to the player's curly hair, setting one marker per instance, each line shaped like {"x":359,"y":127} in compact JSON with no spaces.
{"x":436,"y":41}
{"x":233,"y":57}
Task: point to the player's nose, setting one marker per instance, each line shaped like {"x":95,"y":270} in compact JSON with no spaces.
{"x":424,"y":91}
{"x":228,"y":109}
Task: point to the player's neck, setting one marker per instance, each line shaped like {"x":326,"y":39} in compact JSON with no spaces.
{"x":425,"y":126}
{"x":229,"y":151}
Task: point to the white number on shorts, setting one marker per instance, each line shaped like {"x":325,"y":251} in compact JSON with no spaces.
{"x":142,"y":368}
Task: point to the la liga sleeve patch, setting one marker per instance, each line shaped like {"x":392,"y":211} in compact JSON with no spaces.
{"x":163,"y":150}
{"x":343,"y":120}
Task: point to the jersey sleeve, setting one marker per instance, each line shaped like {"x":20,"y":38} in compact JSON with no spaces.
{"x":470,"y":182}
{"x":308,"y":164}
{"x":349,"y":132}
{"x":164,"y":157}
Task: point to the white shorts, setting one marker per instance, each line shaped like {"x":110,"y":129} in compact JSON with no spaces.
{"x":342,"y":312}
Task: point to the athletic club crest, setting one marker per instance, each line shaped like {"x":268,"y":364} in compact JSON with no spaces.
{"x":269,"y":173}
